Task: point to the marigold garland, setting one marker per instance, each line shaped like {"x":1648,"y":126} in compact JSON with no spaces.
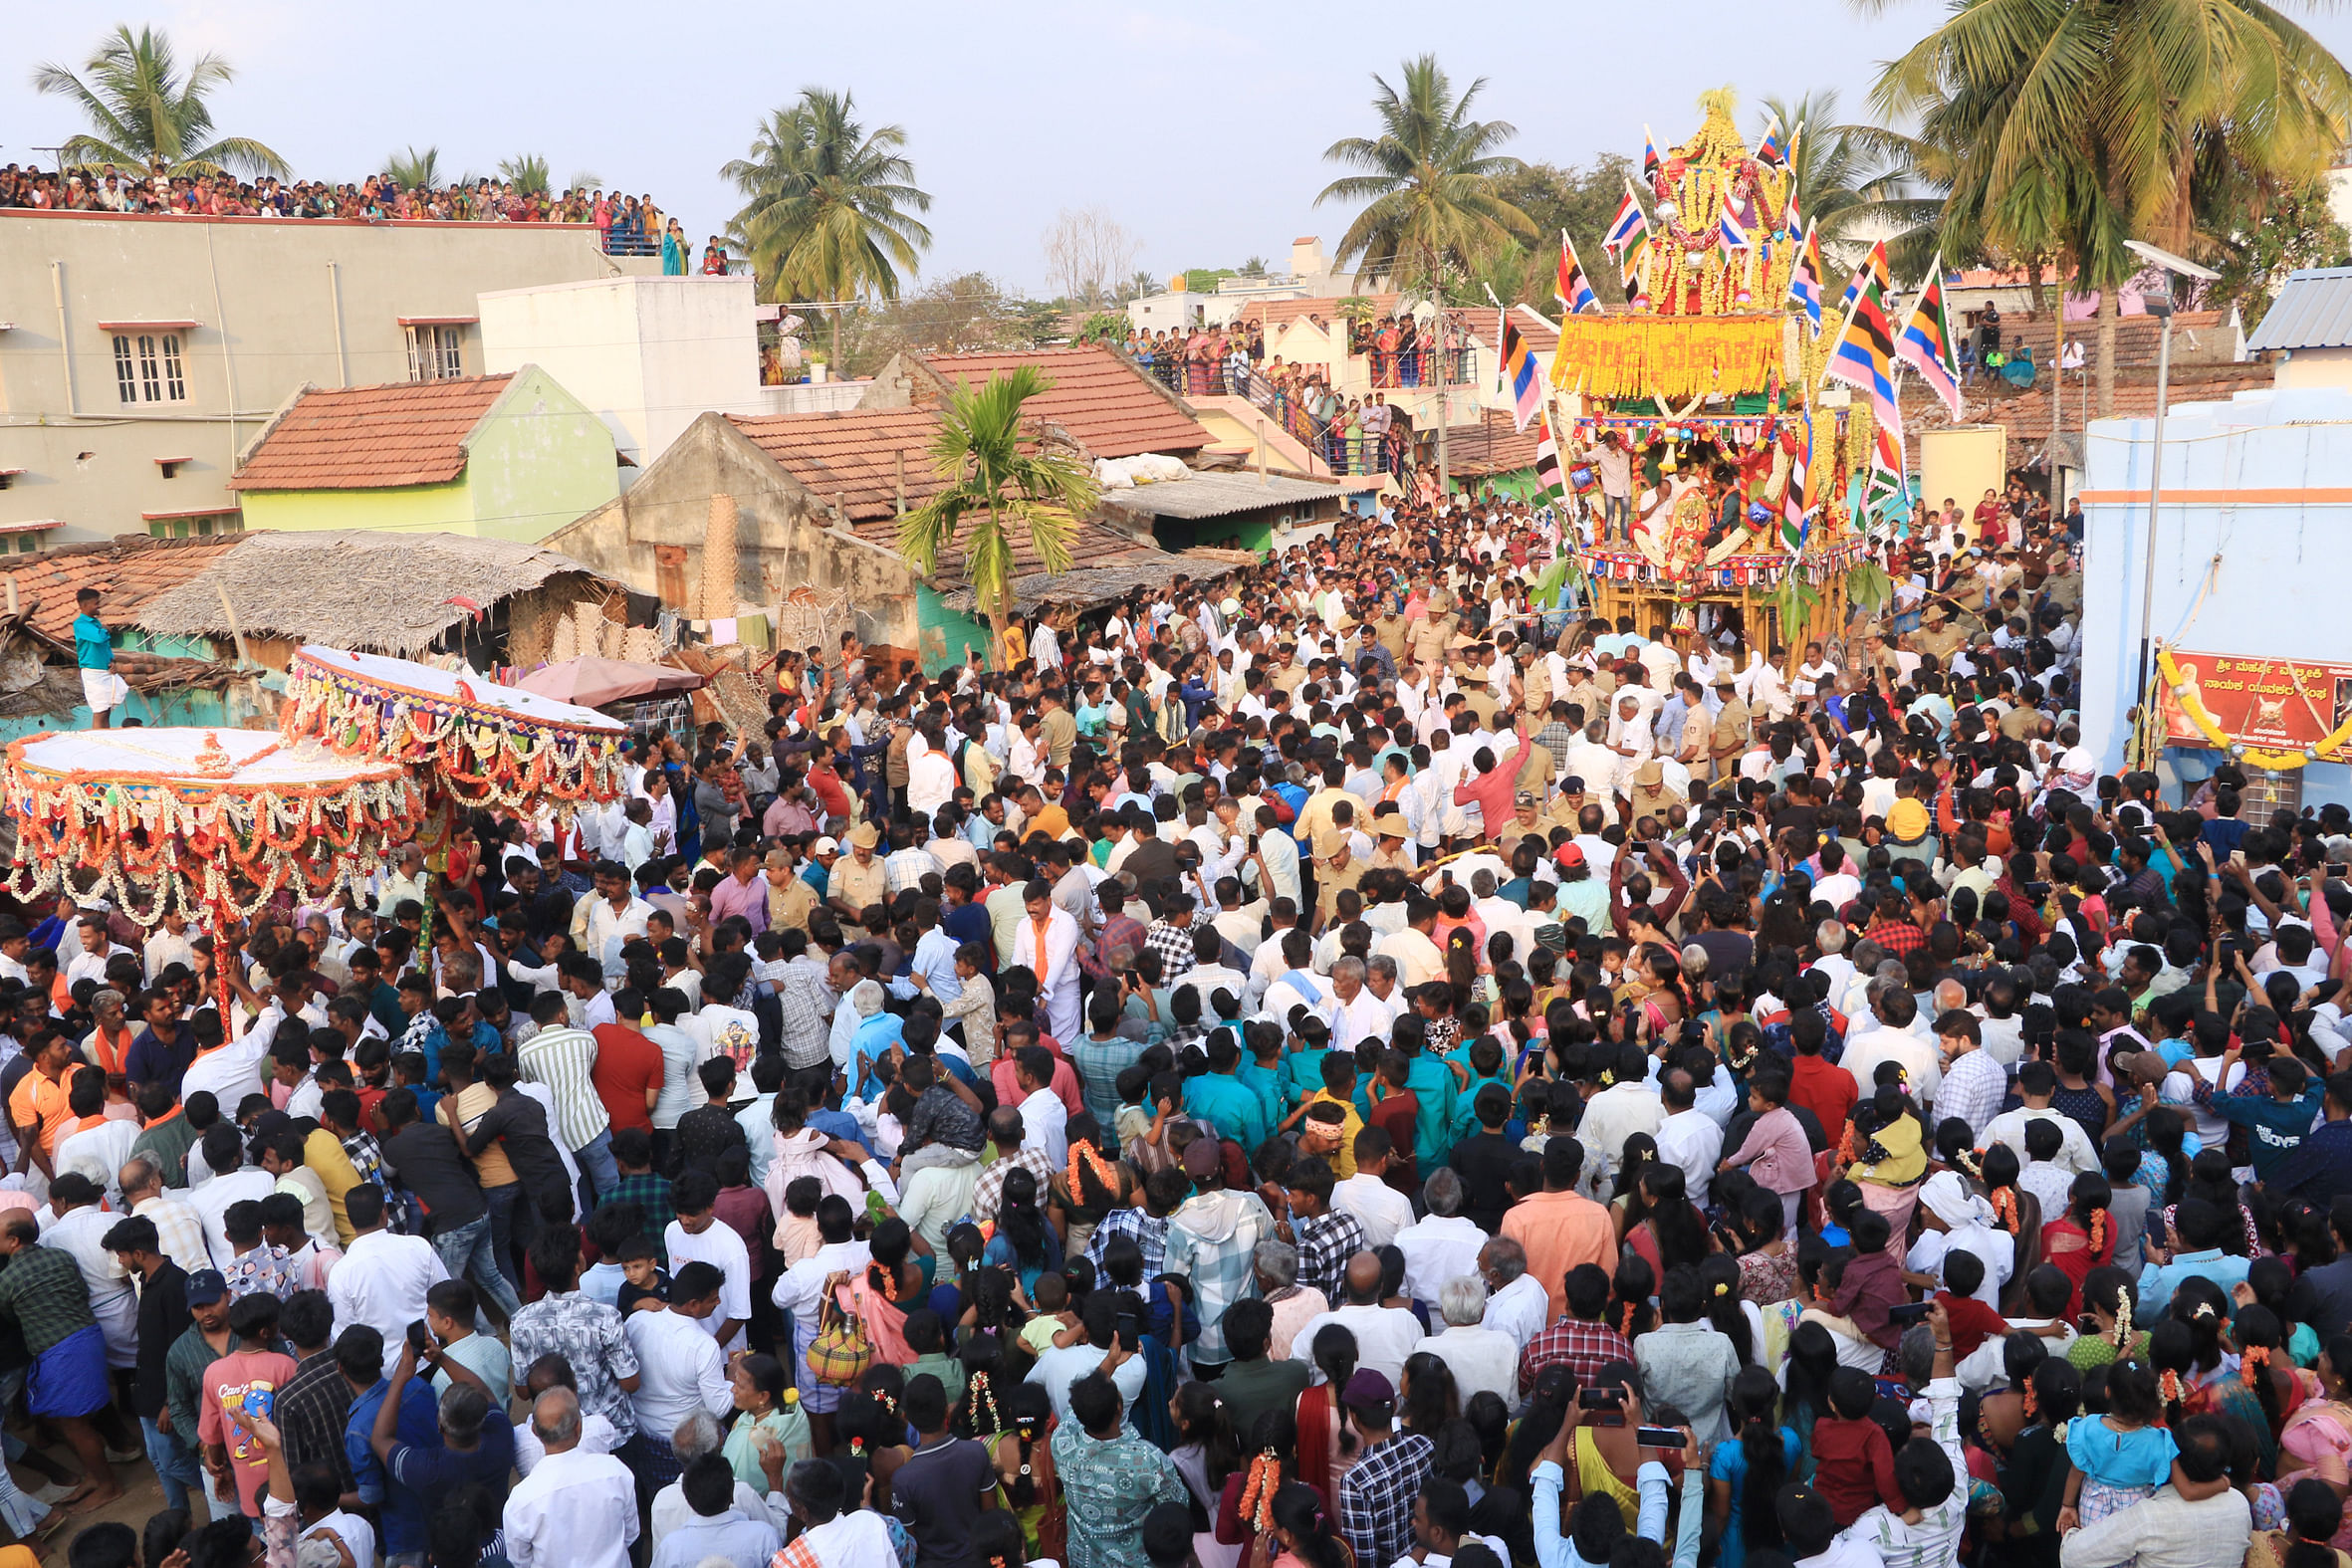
{"x":2005,"y":1208}
{"x":1090,"y":1158}
{"x":2250,"y":1362}
{"x":1668,"y":356}
{"x":183,"y":835}
{"x":480,"y":753}
{"x":1266,"y":1478}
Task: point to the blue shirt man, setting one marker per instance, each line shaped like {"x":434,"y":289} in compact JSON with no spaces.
{"x":94,"y":646}
{"x":402,"y":1510}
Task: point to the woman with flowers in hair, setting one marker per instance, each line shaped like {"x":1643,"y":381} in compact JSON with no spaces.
{"x":768,"y":1409}
{"x":2083,"y":1237}
{"x":1013,"y":1423}
{"x":1089,"y":1187}
{"x":2016,"y":1211}
{"x":2110,"y":1298}
{"x":1245,"y":1506}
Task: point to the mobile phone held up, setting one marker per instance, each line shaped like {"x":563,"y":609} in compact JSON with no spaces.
{"x":1909,"y":1312}
{"x":1658,"y":1436}
{"x":1604,"y":1399}
{"x":420,"y":1336}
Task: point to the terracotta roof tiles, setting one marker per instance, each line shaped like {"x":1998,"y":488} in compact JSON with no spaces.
{"x":852,"y":455}
{"x":371,"y":437}
{"x":1108,"y":405}
{"x":130,"y":571}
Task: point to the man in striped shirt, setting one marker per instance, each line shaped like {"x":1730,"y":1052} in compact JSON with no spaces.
{"x":563,"y":1058}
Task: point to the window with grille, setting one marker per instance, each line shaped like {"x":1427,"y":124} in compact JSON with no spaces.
{"x":436,"y":354}
{"x":149,"y":368}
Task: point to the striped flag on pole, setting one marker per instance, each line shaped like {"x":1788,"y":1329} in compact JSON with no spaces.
{"x":1795,"y":522}
{"x":1519,"y":378}
{"x":1926,"y":344}
{"x":1630,"y":267}
{"x":1730,"y":230}
{"x":1805,"y":279}
{"x":1627,"y":223}
{"x":1573,"y":288}
{"x":1547,"y":466}
{"x":1865,"y":354}
{"x":1650,"y":162}
{"x":1770,"y":152}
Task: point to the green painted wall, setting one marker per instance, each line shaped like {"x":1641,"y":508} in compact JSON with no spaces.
{"x":948,"y":635}
{"x":539,"y":460}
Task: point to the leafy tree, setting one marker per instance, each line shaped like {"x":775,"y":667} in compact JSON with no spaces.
{"x":1203,"y":280}
{"x":998,"y":477}
{"x":1428,"y":182}
{"x":1580,"y":198}
{"x":1859,"y":184}
{"x":2275,"y":233}
{"x":829,"y":210}
{"x":144,"y":111}
{"x":2068,"y":127}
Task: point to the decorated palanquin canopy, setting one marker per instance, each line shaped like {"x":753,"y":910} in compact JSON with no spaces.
{"x":1666,"y":356}
{"x":1705,"y":284}
{"x":199,"y":821}
{"x":473,"y":742}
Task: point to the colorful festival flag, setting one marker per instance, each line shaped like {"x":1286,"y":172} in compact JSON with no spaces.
{"x":1865,"y":354}
{"x":1547,"y":468}
{"x":1805,"y":279}
{"x":1650,"y":162}
{"x":1627,"y":222}
{"x":1926,"y":344}
{"x":1794,"y":520}
{"x":1769,"y":151}
{"x":1630,"y":267}
{"x":1888,"y":488}
{"x":1573,"y":288}
{"x":1873,"y":264}
{"x":1729,"y":231}
{"x":1520,"y":377}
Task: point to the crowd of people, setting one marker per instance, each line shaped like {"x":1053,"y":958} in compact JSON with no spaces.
{"x":1343,"y":1065}
{"x":1359,"y":434}
{"x":625,"y":225}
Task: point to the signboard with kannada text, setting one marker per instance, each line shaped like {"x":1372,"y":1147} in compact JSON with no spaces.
{"x":2271,"y":703}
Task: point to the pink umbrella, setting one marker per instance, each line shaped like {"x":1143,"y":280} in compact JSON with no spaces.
{"x":592,"y":682}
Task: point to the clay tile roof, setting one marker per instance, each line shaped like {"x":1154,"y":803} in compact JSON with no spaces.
{"x":130,"y":571}
{"x":852,"y":455}
{"x":1491,"y":446}
{"x":1108,"y":405}
{"x":2027,"y":416}
{"x":371,"y":437}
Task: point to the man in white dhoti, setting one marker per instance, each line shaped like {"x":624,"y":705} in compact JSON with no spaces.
{"x":1046,"y":941}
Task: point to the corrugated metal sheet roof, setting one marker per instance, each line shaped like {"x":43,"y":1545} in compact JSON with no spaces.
{"x":1218,"y":494}
{"x":2313,"y":311}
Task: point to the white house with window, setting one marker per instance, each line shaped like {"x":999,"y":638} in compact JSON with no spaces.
{"x":140,"y":354}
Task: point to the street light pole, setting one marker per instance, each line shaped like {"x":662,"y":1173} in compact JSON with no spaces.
{"x":2143,"y":687}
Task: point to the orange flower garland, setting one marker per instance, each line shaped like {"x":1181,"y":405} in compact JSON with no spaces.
{"x":2005,"y":1208}
{"x":1266,"y":1478}
{"x":1089,"y":1157}
{"x":481,"y":753}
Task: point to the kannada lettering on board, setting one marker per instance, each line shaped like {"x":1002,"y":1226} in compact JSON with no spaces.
{"x":2272,"y":703}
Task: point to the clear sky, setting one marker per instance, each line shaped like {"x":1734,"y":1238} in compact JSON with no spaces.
{"x":1199,"y":127}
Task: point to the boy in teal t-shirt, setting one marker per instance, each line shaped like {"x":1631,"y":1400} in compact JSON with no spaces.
{"x":93,"y":651}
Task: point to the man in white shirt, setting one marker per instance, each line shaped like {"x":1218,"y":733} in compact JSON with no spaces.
{"x":1059,"y":1367}
{"x":233,"y":1182}
{"x":679,"y":1367}
{"x":696,"y":1236}
{"x":1687,"y":1137}
{"x":1480,"y":1358}
{"x":1043,"y":1118}
{"x":2036,"y":1085}
{"x":1894,"y":1041}
{"x":1379,"y":1208}
{"x":1385,"y":1335}
{"x":572,"y":1508}
{"x":383,"y":1278}
{"x":1443,"y":1245}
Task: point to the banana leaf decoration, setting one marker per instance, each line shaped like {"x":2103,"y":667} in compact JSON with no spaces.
{"x":1867,"y":586}
{"x":1794,"y":601}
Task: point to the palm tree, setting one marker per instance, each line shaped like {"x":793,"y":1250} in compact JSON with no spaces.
{"x":2073,"y":126}
{"x":527,"y":171}
{"x":415,"y":170}
{"x":1427,"y":182}
{"x":994,"y":478}
{"x":144,"y":111}
{"x":829,"y":210}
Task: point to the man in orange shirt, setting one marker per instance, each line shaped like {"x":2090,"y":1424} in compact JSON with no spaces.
{"x":1559,"y":1228}
{"x":40,"y":1110}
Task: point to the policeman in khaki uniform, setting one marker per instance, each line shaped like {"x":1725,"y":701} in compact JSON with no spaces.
{"x":1732,"y":724}
{"x":1936,"y":636}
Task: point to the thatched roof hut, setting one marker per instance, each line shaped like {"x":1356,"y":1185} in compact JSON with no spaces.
{"x":371,"y":592}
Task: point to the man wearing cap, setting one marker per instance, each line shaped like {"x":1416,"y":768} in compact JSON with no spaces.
{"x":1212,"y":1243}
{"x":1732,"y":724}
{"x":1335,"y":869}
{"x":1651,"y":794}
{"x":858,"y":880}
{"x":1376,"y":1494}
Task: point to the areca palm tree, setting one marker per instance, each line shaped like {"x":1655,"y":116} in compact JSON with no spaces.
{"x":527,"y":171}
{"x":996,"y":481}
{"x":1427,"y":182}
{"x":2073,"y":126}
{"x":828,"y":209}
{"x":143,"y":110}
{"x":415,"y":170}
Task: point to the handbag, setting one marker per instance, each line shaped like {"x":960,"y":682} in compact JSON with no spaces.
{"x":840,"y":1353}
